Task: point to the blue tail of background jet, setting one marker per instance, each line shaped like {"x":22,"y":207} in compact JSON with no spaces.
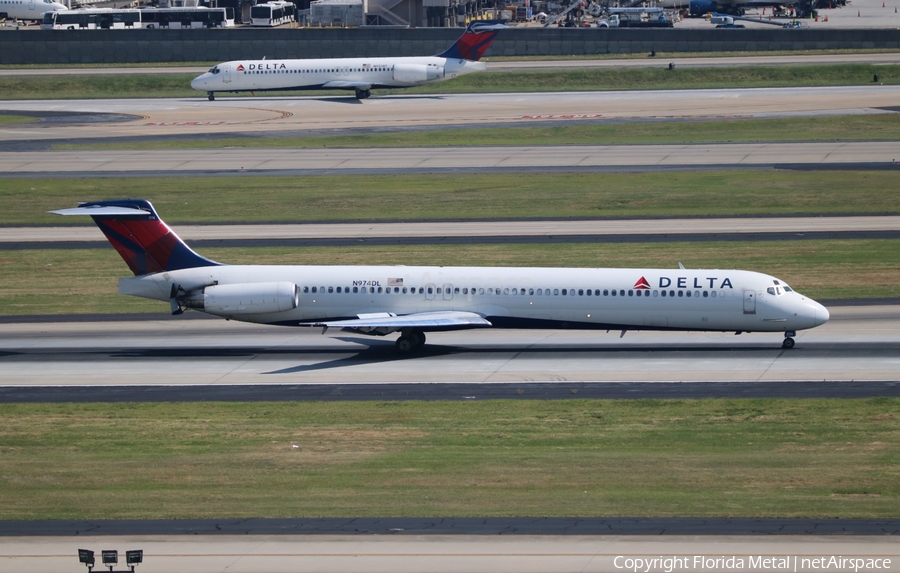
{"x":475,"y":41}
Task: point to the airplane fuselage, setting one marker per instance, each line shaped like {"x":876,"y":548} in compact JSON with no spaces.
{"x":628,"y":299}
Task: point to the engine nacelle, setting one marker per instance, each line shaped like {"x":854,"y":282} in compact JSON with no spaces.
{"x":247,"y":298}
{"x":417,"y":72}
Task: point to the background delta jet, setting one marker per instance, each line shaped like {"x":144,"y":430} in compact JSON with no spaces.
{"x":380,"y":300}
{"x":358,"y":74}
{"x":28,"y":9}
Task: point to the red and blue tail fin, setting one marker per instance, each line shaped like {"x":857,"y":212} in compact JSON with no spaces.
{"x":135,"y":230}
{"x":475,"y":41}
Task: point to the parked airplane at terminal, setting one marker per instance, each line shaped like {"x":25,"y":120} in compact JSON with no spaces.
{"x":381,"y":300}
{"x":28,"y":9}
{"x":359,"y":74}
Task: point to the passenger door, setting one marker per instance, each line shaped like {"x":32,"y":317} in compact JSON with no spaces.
{"x":749,"y":302}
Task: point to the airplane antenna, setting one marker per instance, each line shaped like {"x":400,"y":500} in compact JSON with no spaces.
{"x":680,"y":266}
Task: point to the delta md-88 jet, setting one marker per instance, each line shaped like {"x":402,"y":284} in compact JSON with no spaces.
{"x":411,"y":301}
{"x":358,"y":74}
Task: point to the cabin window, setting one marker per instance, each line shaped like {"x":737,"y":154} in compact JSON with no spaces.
{"x":705,"y":294}
{"x":306,"y":289}
{"x":680,"y":294}
{"x":330,"y":289}
{"x":656,"y":293}
{"x":630,"y":293}
{"x":455,"y":290}
{"x":664,"y":293}
{"x":556,"y":291}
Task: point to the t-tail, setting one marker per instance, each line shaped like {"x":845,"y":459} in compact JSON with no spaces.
{"x":135,"y":230}
{"x":475,"y":41}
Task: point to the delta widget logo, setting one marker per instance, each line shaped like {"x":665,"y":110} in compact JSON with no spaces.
{"x":642,"y":284}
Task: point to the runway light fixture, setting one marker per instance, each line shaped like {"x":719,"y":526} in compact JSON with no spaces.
{"x":110,"y":558}
{"x":134,"y":557}
{"x":86,"y":556}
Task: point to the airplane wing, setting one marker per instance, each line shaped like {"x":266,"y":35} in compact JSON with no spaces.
{"x":425,"y":320}
{"x":339,"y":84}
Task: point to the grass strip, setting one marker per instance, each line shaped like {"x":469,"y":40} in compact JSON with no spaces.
{"x":884,"y":127}
{"x":8,"y":118}
{"x":85,"y":281}
{"x":716,"y":458}
{"x":584,"y":79}
{"x":463,"y":196}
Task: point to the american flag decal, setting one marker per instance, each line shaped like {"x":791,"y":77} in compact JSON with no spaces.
{"x":395,"y":282}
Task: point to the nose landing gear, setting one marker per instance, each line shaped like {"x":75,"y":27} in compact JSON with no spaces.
{"x":788,"y":340}
{"x":210,"y":96}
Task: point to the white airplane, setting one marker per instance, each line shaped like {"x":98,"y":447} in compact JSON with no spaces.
{"x":381,"y":300}
{"x":359,"y":74}
{"x":28,"y":9}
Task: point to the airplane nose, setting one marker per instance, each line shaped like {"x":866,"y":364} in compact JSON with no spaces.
{"x":822,"y":314}
{"x":197,"y":83}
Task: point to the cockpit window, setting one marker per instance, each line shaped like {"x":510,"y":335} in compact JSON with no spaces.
{"x":788,"y":289}
{"x":214,"y":70}
{"x":771,"y":290}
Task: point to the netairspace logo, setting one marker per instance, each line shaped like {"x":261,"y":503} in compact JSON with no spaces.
{"x":750,"y":562}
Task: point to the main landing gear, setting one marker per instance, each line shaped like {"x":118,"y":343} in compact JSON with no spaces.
{"x":788,"y":340}
{"x":410,"y":341}
{"x":363,"y":94}
{"x":210,"y":96}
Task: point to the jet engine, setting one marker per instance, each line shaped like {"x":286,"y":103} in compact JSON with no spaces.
{"x":247,"y":298}
{"x":417,"y":72}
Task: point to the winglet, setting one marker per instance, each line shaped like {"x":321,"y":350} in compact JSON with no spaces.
{"x":143,"y":241}
{"x":475,"y":40}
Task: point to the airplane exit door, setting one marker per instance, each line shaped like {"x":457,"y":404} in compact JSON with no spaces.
{"x":749,"y":302}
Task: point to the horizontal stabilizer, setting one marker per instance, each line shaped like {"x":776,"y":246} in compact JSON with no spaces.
{"x":418,"y":320}
{"x":100,"y":210}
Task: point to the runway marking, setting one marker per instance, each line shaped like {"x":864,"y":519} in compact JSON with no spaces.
{"x":565,"y":116}
{"x":180,"y":123}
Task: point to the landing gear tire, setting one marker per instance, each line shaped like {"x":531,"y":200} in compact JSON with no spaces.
{"x":788,"y":343}
{"x":410,"y":341}
{"x":363,"y":94}
{"x":210,"y":96}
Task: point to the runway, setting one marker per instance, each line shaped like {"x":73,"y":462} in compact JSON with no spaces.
{"x":396,"y":232}
{"x":260,"y":116}
{"x":858,"y":344}
{"x":825,"y":155}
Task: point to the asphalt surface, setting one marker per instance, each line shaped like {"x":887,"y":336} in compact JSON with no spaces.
{"x":455,"y":526}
